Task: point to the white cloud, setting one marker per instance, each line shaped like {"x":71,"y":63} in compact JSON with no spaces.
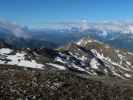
{"x":14,"y":29}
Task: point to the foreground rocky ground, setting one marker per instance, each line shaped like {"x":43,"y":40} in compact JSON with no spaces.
{"x":18,"y":83}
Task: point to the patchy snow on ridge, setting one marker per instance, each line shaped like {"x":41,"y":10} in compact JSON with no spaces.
{"x":83,"y":42}
{"x":127,"y":75}
{"x":5,"y":51}
{"x":94,"y":64}
{"x":17,"y":59}
{"x":57,"y":66}
{"x":58,"y":59}
{"x":77,"y":67}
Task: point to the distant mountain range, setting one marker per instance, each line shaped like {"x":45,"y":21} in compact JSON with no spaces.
{"x":60,"y":34}
{"x":107,"y":32}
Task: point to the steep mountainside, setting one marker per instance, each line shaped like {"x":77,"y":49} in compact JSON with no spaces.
{"x":87,"y":57}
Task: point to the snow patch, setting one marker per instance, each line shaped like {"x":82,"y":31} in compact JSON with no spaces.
{"x":79,"y":68}
{"x":5,"y":51}
{"x":57,"y":66}
{"x":58,"y":59}
{"x":127,"y":75}
{"x":94,"y":64}
{"x":17,"y":59}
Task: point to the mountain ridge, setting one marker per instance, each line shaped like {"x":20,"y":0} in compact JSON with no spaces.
{"x":86,"y":57}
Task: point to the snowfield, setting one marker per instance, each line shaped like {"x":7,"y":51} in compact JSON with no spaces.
{"x":17,"y":59}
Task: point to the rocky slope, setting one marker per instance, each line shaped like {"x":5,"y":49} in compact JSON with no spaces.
{"x":19,"y":83}
{"x":87,"y":69}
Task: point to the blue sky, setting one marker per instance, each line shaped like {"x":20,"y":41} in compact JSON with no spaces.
{"x":35,"y":12}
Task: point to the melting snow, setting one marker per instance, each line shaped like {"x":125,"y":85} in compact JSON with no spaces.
{"x":121,"y":58}
{"x":127,"y":75}
{"x":57,"y":66}
{"x":118,"y":75}
{"x":130,"y":53}
{"x":17,"y":59}
{"x":129,"y":63}
{"x":84,"y":42}
{"x":117,"y":51}
{"x":79,"y":43}
{"x":77,"y":67}
{"x":83,"y":58}
{"x":58,"y":59}
{"x":97,"y":54}
{"x":5,"y":51}
{"x":94,"y":64}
